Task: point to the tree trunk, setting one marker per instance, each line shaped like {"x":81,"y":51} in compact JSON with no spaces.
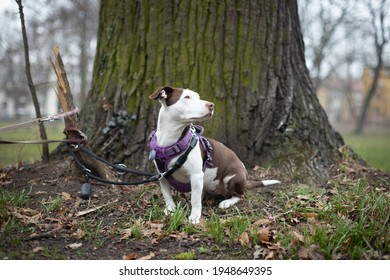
{"x":245,"y":56}
{"x":42,"y":131}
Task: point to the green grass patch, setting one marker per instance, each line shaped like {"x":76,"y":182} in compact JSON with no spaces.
{"x":14,"y":153}
{"x":374,"y":149}
{"x":17,"y":199}
{"x":351,"y":223}
{"x":185,"y":256}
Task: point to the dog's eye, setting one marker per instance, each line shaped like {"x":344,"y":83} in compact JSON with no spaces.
{"x":187,"y":97}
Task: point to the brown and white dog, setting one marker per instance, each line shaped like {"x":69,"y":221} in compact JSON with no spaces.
{"x":227,"y":177}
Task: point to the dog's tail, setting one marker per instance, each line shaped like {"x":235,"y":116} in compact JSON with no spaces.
{"x":263,"y":183}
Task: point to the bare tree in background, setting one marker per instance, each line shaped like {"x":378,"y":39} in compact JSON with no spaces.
{"x":45,"y":146}
{"x":320,"y":28}
{"x":77,"y":20}
{"x":348,"y":90}
{"x":381,"y":38}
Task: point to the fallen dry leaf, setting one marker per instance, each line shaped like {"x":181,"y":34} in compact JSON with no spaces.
{"x":74,"y":245}
{"x":270,"y":255}
{"x":244,"y":239}
{"x":127,"y":233}
{"x":26,"y":215}
{"x":41,"y":192}
{"x":303,"y":197}
{"x":154,"y":229}
{"x":147,"y":257}
{"x":303,"y":253}
{"x":66,"y":196}
{"x":262,"y":222}
{"x":79,"y":233}
{"x":38,"y":249}
{"x":264,"y":235}
{"x":311,"y":253}
{"x":299,"y":236}
{"x":131,"y":256}
{"x":307,"y":215}
{"x":294,"y":220}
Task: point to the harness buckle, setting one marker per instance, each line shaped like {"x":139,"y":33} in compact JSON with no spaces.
{"x":194,"y":138}
{"x":157,"y":177}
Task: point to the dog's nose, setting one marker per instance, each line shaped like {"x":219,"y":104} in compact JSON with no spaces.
{"x":210,"y":106}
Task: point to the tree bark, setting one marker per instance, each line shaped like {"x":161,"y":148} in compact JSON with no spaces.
{"x":72,"y":123}
{"x":245,"y":56}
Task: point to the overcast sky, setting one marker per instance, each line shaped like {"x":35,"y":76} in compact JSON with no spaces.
{"x":7,"y":4}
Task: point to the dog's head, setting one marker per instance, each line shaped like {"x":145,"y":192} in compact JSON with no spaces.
{"x":182,"y":105}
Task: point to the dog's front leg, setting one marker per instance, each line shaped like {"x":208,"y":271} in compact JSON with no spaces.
{"x":196,"y":198}
{"x":166,"y":191}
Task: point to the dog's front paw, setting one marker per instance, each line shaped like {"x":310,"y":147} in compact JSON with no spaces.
{"x":169,"y":209}
{"x":196,"y":213}
{"x":194,"y":219}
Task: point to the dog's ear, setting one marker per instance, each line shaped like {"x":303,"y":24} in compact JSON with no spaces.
{"x":161,"y":92}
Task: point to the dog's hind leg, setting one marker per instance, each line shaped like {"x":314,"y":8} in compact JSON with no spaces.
{"x":235,"y":186}
{"x":229,"y":202}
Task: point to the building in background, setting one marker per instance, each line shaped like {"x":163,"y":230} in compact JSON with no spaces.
{"x":341,"y":99}
{"x":379,"y":110}
{"x":16,"y":103}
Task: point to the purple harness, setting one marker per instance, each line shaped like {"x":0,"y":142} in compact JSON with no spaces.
{"x":163,"y":155}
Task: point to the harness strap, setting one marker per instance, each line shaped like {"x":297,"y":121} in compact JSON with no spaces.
{"x":159,"y":154}
{"x":182,"y":159}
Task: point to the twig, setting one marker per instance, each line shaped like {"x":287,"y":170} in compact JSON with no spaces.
{"x":74,"y":208}
{"x":44,"y":235}
{"x":85,"y":212}
{"x":281,"y":214}
{"x":45,"y":146}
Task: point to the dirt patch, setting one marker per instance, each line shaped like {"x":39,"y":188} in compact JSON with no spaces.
{"x":51,"y":221}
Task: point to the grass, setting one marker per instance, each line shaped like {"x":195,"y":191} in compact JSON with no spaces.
{"x":52,"y":205}
{"x":343,"y":221}
{"x":349,"y":224}
{"x":374,"y":149}
{"x":18,"y":199}
{"x":14,"y":153}
{"x":185,"y":256}
{"x":175,"y":220}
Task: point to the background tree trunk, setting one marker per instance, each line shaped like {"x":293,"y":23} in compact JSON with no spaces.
{"x":245,"y":56}
{"x":381,"y":38}
{"x":42,"y":131}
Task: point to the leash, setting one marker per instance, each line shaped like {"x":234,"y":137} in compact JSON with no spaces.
{"x":40,"y":120}
{"x":76,"y":144}
{"x":121,"y":168}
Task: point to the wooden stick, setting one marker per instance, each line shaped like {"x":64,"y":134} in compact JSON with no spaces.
{"x":65,"y":98}
{"x":85,"y":212}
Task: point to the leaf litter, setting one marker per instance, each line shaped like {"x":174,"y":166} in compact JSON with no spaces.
{"x":120,"y":223}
